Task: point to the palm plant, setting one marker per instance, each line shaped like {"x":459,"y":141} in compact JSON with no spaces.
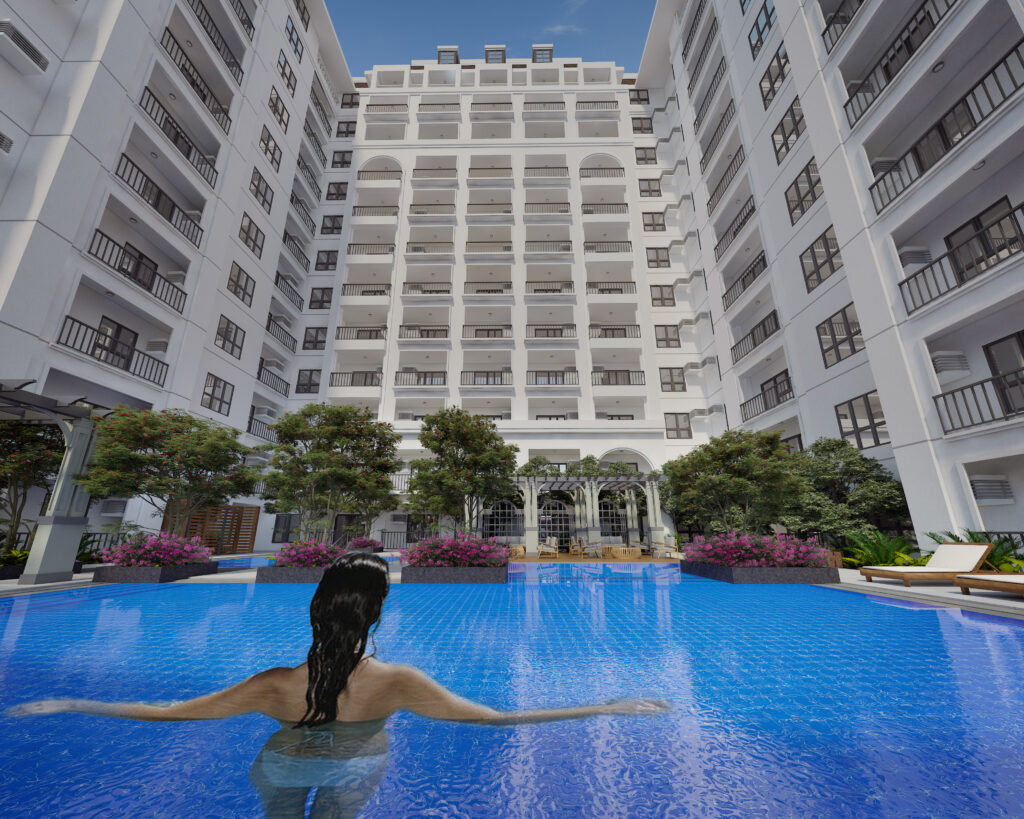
{"x":877,"y":549}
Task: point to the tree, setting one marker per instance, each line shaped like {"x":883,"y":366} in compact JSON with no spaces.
{"x":740,"y":480}
{"x":176,"y":462}
{"x":538,"y":467}
{"x":30,"y":455}
{"x":471,"y":464}
{"x":331,"y":459}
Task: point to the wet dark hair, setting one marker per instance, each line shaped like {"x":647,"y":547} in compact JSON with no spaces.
{"x":344,"y":611}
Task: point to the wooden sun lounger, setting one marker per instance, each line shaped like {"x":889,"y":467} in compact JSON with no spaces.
{"x":947,"y":562}
{"x":1001,"y":582}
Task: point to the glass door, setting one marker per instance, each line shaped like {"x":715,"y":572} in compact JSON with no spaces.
{"x":1006,"y":361}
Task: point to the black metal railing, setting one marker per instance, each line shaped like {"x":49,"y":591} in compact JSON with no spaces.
{"x":491,"y":106}
{"x":430,"y":247}
{"x":261,"y":429}
{"x":747,"y":278}
{"x":435,"y":173}
{"x":387,"y":108}
{"x":762,"y":331}
{"x":778,"y":393}
{"x":321,"y":113}
{"x":610,"y":288}
{"x":243,"y":17}
{"x":303,"y":211}
{"x":489,"y":247}
{"x":597,"y":105}
{"x":79,"y":336}
{"x":998,"y":398}
{"x":556,"y":246}
{"x":409,"y":331}
{"x":602,"y":173}
{"x":486,"y":378}
{"x":601,"y":208}
{"x":179,"y":139}
{"x":487,"y":331}
{"x":267,"y":376}
{"x":386,"y":175}
{"x":617,"y":378}
{"x":490,"y":173}
{"x":615,"y":331}
{"x":427,"y":288}
{"x":709,"y":95}
{"x":382,"y":289}
{"x":219,"y":43}
{"x":702,"y":56}
{"x":356,"y":378}
{"x":421,"y":379}
{"x":731,"y":232}
{"x":490,"y":208}
{"x":535,"y":172}
{"x":195,"y":80}
{"x":488,"y":288}
{"x":290,"y":292}
{"x":552,"y":378}
{"x":361,"y":333}
{"x":717,"y":135}
{"x":277,"y":331}
{"x":376,"y":210}
{"x":295,"y":249}
{"x":443,"y":209}
{"x":136,"y":267}
{"x":607,"y":247}
{"x":731,"y":170}
{"x":549,"y":288}
{"x":310,"y":177}
{"x":314,"y":140}
{"x":694,"y":26}
{"x":439,"y":107}
{"x":838,"y":21}
{"x":551,"y":331}
{"x":543,"y":106}
{"x":153,"y":194}
{"x":370,"y":249}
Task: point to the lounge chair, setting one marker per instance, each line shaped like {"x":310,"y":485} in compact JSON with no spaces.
{"x":946,"y":562}
{"x":548,"y":548}
{"x":1002,"y":582}
{"x":666,"y":549}
{"x":575,"y":547}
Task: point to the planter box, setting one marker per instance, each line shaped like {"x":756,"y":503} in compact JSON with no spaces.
{"x":455,"y":574}
{"x":289,"y":574}
{"x":11,"y":572}
{"x":761,"y":574}
{"x":151,"y":574}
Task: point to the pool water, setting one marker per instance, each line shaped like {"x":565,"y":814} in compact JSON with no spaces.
{"x":789,"y":700}
{"x":266,"y":560}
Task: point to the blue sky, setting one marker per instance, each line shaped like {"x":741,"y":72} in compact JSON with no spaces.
{"x":400,"y":31}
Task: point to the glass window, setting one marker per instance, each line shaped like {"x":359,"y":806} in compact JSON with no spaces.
{"x":861,"y":421}
{"x":331,"y":225}
{"x":654,"y":222}
{"x":241,"y":284}
{"x":762,"y":25}
{"x":217,"y":394}
{"x":646,"y":156}
{"x":341,"y":159}
{"x":543,"y":55}
{"x":279,"y":111}
{"x":259,"y":187}
{"x":349,"y":100}
{"x":639,"y":96}
{"x":285,"y":70}
{"x":315,"y":338}
{"x":839,"y":336}
{"x":326,"y":260}
{"x":346,"y":129}
{"x":650,"y":187}
{"x":293,"y":37}
{"x":320,"y":298}
{"x":643,"y":125}
{"x":673,"y":379}
{"x":821,"y":259}
{"x":677,"y":425}
{"x":777,"y":71}
{"x":308,"y":381}
{"x":494,"y":55}
{"x":284,"y":527}
{"x":230,"y":337}
{"x":447,"y":56}
{"x":657,"y":257}
{"x":666,"y":335}
{"x":788,"y":131}
{"x":252,"y":237}
{"x":663,"y":295}
{"x":804,"y":191}
{"x":744,"y":5}
{"x":337,"y":191}
{"x":270,"y":148}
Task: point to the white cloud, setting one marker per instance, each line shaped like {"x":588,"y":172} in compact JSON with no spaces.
{"x":564,"y":28}
{"x":572,"y":6}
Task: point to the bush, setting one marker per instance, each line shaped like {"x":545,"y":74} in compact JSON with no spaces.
{"x":365,"y":544}
{"x":736,"y":551}
{"x":163,"y":549}
{"x":460,"y":549}
{"x":15,"y":557}
{"x":877,"y":549}
{"x":308,"y":554}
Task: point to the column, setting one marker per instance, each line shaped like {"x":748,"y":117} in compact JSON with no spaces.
{"x":530,"y":516}
{"x":654,"y":511}
{"x":632,"y":517}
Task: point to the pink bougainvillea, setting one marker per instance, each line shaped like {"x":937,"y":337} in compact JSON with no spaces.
{"x":460,"y":549}
{"x":736,"y":550}
{"x":163,"y":549}
{"x":365,"y":543}
{"x":308,"y":554}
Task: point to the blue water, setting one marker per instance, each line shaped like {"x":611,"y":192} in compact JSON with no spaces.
{"x":790,"y":700}
{"x":266,"y":560}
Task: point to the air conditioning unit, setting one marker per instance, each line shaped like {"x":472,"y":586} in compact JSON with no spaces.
{"x":19,"y":52}
{"x":918,"y":256}
{"x":950,"y":365}
{"x":597,"y":368}
{"x":406,"y":416}
{"x":991,"y":490}
{"x":265,"y":412}
{"x":156,"y":345}
{"x":273,"y":363}
{"x":175,"y":276}
{"x":6,"y":143}
{"x":882,"y":165}
{"x":113,"y":507}
{"x":408,"y":369}
{"x":572,"y":416}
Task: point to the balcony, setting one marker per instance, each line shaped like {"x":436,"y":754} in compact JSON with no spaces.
{"x":762,"y":331}
{"x":290,"y":293}
{"x":378,"y":210}
{"x":737,"y":224}
{"x":370,"y":249}
{"x":271,"y":379}
{"x":545,"y":173}
{"x":133,"y":176}
{"x":723,"y":184}
{"x":778,"y":393}
{"x":486,"y":332}
{"x":346,"y":333}
{"x":173,"y":131}
{"x":382,"y":289}
{"x":429,"y":248}
{"x":400,"y":481}
{"x":295,"y":249}
{"x":610,"y":288}
{"x":618,"y":378}
{"x":356,"y":378}
{"x":702,"y":56}
{"x":550,"y":331}
{"x":838,"y":21}
{"x":443,"y":209}
{"x":603,"y":208}
{"x":310,"y":176}
{"x":607,"y":247}
{"x":216,"y":38}
{"x":78,"y":336}
{"x":379,"y":176}
{"x":549,"y":288}
{"x":602,"y":173}
{"x":746,"y":279}
{"x":552,"y":378}
{"x":423,"y":332}
{"x":195,"y":80}
{"x":955,"y":126}
{"x":698,"y":15}
{"x":489,"y":209}
{"x":387,"y":108}
{"x":615,"y":331}
{"x":709,"y":95}
{"x":488,"y":289}
{"x":490,"y":177}
{"x":716,"y":137}
{"x":436,"y":108}
{"x":557,"y":247}
{"x":277,"y":331}
{"x":489,"y":247}
{"x":261,"y":429}
{"x":999,"y":398}
{"x":486,"y":378}
{"x":137,"y":268}
{"x":243,"y":17}
{"x":421,"y":379}
{"x":302,"y":211}
{"x":491,"y":110}
{"x":597,"y":108}
{"x":994,"y":244}
{"x":435,"y":177}
{"x":543,"y":110}
{"x":314,"y":140}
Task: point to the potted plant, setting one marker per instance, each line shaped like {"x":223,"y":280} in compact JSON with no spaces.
{"x":741,"y":558}
{"x":12,"y":563}
{"x":303,"y":561}
{"x":458,"y":558}
{"x":364,"y":544}
{"x":160,"y":558}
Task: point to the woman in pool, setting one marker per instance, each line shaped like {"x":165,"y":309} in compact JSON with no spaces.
{"x":332,"y":708}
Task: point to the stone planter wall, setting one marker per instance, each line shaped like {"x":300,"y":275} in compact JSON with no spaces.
{"x":455,"y":574}
{"x":289,"y":574}
{"x":11,"y":572}
{"x":151,"y":574}
{"x":761,"y":574}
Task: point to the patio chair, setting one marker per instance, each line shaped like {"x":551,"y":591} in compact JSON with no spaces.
{"x":625,"y":552}
{"x":946,"y":562}
{"x":667,"y":549}
{"x":575,"y":547}
{"x":609,"y":543}
{"x":516,"y":551}
{"x":548,"y":548}
{"x":1001,"y":582}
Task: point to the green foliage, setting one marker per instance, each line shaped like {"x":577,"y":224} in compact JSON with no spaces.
{"x":471,"y":463}
{"x":176,"y":462}
{"x":14,"y":557}
{"x":538,"y":467}
{"x":30,"y":455}
{"x":877,"y":549}
{"x":332,"y":459}
{"x":742,"y":481}
{"x":1004,"y":551}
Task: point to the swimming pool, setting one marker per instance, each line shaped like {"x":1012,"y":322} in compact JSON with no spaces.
{"x":789,"y":700}
{"x":267,"y":560}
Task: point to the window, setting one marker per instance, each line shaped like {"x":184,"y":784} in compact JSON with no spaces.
{"x":252,"y":237}
{"x":448,"y":56}
{"x":657,"y":257}
{"x":494,"y":55}
{"x":331,"y":225}
{"x":673,"y":379}
{"x":643,"y":125}
{"x":839,"y":336}
{"x":285,"y":70}
{"x":349,"y":100}
{"x":821,"y":259}
{"x":293,"y":37}
{"x":776,"y":72}
{"x":646,"y":156}
{"x":284,"y":527}
{"x":663,"y":295}
{"x":543,"y":55}
{"x":986,"y":239}
{"x":744,"y":5}
{"x":762,"y":25}
{"x":320,"y":298}
{"x":639,"y":96}
{"x":654,"y":222}
{"x":804,"y":191}
{"x":241,"y":284}
{"x":259,"y":188}
{"x":346,"y":129}
{"x":677,"y":425}
{"x":861,"y":421}
{"x":269,"y":147}
{"x":307,"y":382}
{"x":341,"y":159}
{"x":336,"y":191}
{"x":277,"y":108}
{"x":788,"y":131}
{"x":315,"y":338}
{"x":650,"y":187}
{"x":115,"y":344}
{"x":326,"y":260}
{"x":217,"y":394}
{"x":666,"y":335}
{"x":230,"y":337}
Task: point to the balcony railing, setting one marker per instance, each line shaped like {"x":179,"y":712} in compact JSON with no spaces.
{"x":356,"y":378}
{"x":549,"y":288}
{"x":702,"y":56}
{"x":837,"y":22}
{"x":488,"y":288}
{"x":615,"y":331}
{"x":778,"y":393}
{"x":551,"y":331}
{"x":617,"y":378}
{"x":321,"y":113}
{"x":996,"y":242}
{"x":597,"y":105}
{"x":435,"y":173}
{"x":762,"y":331}
{"x":290,"y":292}
{"x":490,"y":173}
{"x":243,"y":18}
{"x":314,"y":140}
{"x":602,"y":173}
{"x":904,"y":45}
{"x":400,"y":481}
{"x":734,"y":228}
{"x":998,"y":398}
{"x":138,"y":181}
{"x":489,"y":247}
{"x":303,"y":211}
{"x":716,"y":137}
{"x":219,"y":44}
{"x":261,"y":429}
{"x":694,"y":26}
{"x":195,"y":79}
{"x":438,"y":107}
{"x":408,"y":331}
{"x":421,"y":379}
{"x":747,"y":278}
{"x":607,"y":247}
{"x":267,"y":376}
{"x":379,"y":175}
{"x":382,"y":289}
{"x":552,"y":378}
{"x":136,"y":267}
{"x":537,"y":172}
{"x":185,"y":146}
{"x":976,"y":106}
{"x":610,"y":288}
{"x":370,"y":249}
{"x":709,"y":96}
{"x":85,"y":339}
{"x":387,"y":108}
{"x":562,"y":246}
{"x":491,"y":106}
{"x":361,"y":333}
{"x":486,"y":378}
{"x":487,"y":331}
{"x":601,"y":208}
{"x":543,"y":106}
{"x":295,"y":249}
{"x":277,"y":331}
{"x":432,"y":210}
{"x":723,"y":184}
{"x":427,"y":288}
{"x":430,"y":247}
{"x":492,"y":208}
{"x":375,"y":210}
{"x":310,"y":177}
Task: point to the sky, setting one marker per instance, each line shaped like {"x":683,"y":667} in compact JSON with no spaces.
{"x":402,"y":31}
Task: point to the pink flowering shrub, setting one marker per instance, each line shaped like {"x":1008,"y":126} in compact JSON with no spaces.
{"x":157,"y":550}
{"x":308,"y":554}
{"x":366,"y":543}
{"x":460,"y":549}
{"x":736,"y":550}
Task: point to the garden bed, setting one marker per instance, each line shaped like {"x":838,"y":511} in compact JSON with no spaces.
{"x":290,"y":574}
{"x":761,"y":574}
{"x":455,"y":574}
{"x":151,"y":574}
